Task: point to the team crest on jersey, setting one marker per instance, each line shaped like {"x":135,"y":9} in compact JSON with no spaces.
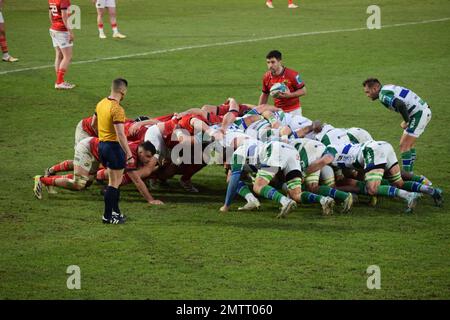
{"x":299,"y":80}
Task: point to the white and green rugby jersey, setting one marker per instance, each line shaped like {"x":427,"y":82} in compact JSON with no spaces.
{"x":413,"y":102}
{"x":346,"y":155}
{"x":331,"y":135}
{"x":308,"y":149}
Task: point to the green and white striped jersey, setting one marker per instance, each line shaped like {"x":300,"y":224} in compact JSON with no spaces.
{"x":331,"y":135}
{"x":413,"y":102}
{"x":346,"y":156}
{"x":308,"y":149}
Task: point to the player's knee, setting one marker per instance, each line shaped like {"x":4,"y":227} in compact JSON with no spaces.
{"x":80,"y":182}
{"x":372,"y":189}
{"x":313,"y":187}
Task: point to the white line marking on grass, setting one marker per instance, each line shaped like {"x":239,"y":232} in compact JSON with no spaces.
{"x":229,"y":43}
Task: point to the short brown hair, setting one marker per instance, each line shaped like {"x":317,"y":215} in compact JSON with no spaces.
{"x":371,"y":82}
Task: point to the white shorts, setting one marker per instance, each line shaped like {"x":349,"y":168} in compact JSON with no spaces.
{"x":61,"y":39}
{"x":154,"y":135}
{"x":101,"y":4}
{"x":1,"y":18}
{"x":296,"y":112}
{"x":282,"y":156}
{"x":418,"y":122}
{"x":377,"y":153}
{"x":80,"y":134}
{"x":84,"y":158}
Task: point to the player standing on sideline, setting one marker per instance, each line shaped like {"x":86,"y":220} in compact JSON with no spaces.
{"x":62,"y":38}
{"x":415,"y":112}
{"x":111,"y":5}
{"x":113,"y":150}
{"x":6,"y":57}
{"x":291,"y":4}
{"x":287,"y":101}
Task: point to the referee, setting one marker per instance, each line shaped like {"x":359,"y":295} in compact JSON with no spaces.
{"x":113,"y":148}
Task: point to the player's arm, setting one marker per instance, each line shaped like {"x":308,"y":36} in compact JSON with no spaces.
{"x":320,"y":163}
{"x":120,"y":132}
{"x":196,"y":111}
{"x":263,"y":98}
{"x":402,"y":109}
{"x":269,"y":116}
{"x":134,"y":128}
{"x":136,"y":177}
{"x":230,"y":116}
{"x":94,"y":123}
{"x":65,"y":18}
{"x":199,"y":124}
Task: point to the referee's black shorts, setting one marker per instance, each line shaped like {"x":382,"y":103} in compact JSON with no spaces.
{"x":111,"y":155}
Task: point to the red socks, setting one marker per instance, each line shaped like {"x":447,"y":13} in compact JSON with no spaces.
{"x":3,"y":44}
{"x":60,"y":76}
{"x":100,"y":25}
{"x":66,"y":165}
{"x":50,"y":181}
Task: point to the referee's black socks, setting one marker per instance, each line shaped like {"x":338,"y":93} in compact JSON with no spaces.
{"x":111,"y":198}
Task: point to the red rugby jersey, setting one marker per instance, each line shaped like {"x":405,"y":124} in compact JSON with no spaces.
{"x":292,"y":80}
{"x":56,"y":7}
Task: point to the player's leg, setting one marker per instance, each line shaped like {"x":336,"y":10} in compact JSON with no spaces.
{"x":64,"y":166}
{"x":58,"y":58}
{"x":187,"y":171}
{"x":100,"y":25}
{"x":66,"y":48}
{"x":3,"y":44}
{"x":291,"y":4}
{"x":416,"y":127}
{"x":113,"y":20}
{"x":406,"y":143}
{"x":113,"y":158}
{"x":269,"y":4}
{"x":261,"y":187}
{"x":327,"y":188}
{"x":245,"y":192}
{"x":396,"y":180}
{"x":374,"y":187}
{"x":48,"y":182}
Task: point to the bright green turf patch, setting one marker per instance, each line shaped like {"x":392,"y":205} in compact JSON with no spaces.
{"x":186,"y":249}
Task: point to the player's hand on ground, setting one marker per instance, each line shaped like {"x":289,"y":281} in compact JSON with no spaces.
{"x":156,"y":202}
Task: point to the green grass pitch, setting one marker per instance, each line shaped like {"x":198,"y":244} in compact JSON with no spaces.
{"x":185,"y":249}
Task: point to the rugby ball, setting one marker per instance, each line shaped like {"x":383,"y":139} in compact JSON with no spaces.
{"x":277,"y":88}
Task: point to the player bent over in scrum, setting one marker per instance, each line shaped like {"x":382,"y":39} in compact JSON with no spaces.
{"x":309,"y":151}
{"x":270,"y":158}
{"x":85,"y":165}
{"x":376,"y":158}
{"x":140,"y":170}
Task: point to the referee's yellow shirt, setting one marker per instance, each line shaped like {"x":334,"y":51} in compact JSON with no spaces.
{"x":109,"y":112}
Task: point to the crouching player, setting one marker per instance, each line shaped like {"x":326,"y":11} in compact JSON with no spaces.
{"x":270,"y":158}
{"x":309,"y":151}
{"x":376,"y":159}
{"x":140,"y":170}
{"x":84,"y":166}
